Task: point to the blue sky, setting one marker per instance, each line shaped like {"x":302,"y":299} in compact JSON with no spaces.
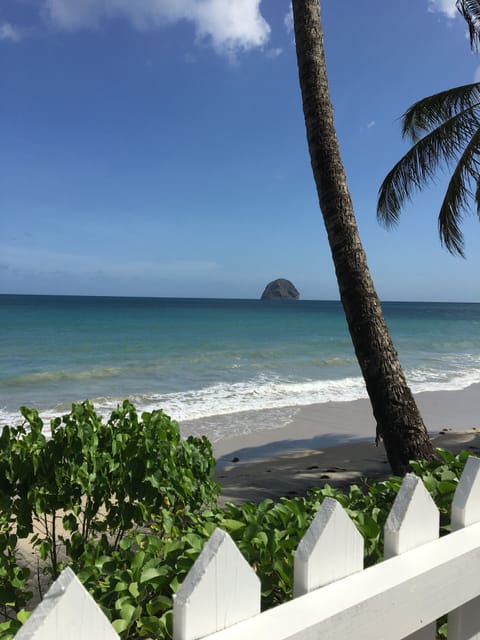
{"x":157,"y":147}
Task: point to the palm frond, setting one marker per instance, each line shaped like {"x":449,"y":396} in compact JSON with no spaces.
{"x":418,"y":166}
{"x":430,"y":112}
{"x":457,"y":196}
{"x":470,"y":10}
{"x":477,"y":198}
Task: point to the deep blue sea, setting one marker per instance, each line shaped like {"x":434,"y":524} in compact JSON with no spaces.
{"x":214,"y":359}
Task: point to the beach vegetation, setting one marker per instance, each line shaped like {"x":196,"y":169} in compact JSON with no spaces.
{"x":444,"y":130}
{"x":79,"y":488}
{"x":131,"y":560}
{"x":399,"y":423}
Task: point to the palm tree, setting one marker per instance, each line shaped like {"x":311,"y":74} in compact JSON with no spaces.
{"x":399,"y":423}
{"x":470,"y":10}
{"x":444,"y":130}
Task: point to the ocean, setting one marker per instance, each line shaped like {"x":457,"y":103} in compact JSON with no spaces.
{"x":210,"y":363}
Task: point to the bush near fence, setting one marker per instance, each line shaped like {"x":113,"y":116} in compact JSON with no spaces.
{"x":421,"y":578}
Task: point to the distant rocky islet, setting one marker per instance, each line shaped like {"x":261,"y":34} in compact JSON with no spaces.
{"x":280,"y":289}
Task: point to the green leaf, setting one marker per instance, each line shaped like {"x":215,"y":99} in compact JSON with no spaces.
{"x":69,"y":522}
{"x":126,"y":543}
{"x":44,"y":548}
{"x":232,"y":525}
{"x":134,"y":590}
{"x":447,"y":486}
{"x":9,"y":629}
{"x":127,"y":612}
{"x":446,"y":456}
{"x":119,"y":625}
{"x":138,"y":560}
{"x":151,"y":573}
{"x":167,"y":620}
{"x":151,"y":625}
{"x":158,"y":604}
{"x":23,"y":616}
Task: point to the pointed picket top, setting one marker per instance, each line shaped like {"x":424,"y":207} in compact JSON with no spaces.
{"x":463,"y":622}
{"x":466,"y":502}
{"x":332,"y":548}
{"x":413,"y":520}
{"x":220,"y":590}
{"x":67,"y":611}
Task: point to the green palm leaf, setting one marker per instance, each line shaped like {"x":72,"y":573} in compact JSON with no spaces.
{"x":452,"y":122}
{"x":458,"y":194}
{"x":470,"y":10}
{"x":444,"y":128}
{"x":430,"y":112}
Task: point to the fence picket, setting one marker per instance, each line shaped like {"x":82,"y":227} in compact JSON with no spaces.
{"x":332,"y":548}
{"x":466,"y":501}
{"x":463,"y":623}
{"x":67,"y":611}
{"x":413,"y":521}
{"x":220,"y":590}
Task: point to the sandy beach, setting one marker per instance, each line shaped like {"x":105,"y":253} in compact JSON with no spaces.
{"x":335,"y":443}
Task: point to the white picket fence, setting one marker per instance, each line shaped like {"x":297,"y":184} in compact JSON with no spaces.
{"x":422,"y":578}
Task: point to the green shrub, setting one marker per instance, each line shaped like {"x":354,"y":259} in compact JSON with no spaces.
{"x":138,"y":504}
{"x":92,"y":481}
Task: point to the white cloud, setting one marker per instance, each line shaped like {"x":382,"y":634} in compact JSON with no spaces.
{"x":447,"y":7}
{"x":288,"y":20}
{"x":9,"y":32}
{"x":230,"y":26}
{"x":273,"y":53}
{"x":371,"y":124}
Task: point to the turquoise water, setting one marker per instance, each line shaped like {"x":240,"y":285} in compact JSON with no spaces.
{"x":200,"y":359}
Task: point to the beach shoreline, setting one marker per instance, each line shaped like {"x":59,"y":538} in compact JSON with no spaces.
{"x":333,"y":423}
{"x":334,"y":442}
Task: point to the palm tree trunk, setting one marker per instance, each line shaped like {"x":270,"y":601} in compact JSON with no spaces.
{"x":399,"y":422}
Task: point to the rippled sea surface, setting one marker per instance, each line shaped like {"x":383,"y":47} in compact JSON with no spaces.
{"x":200,"y":359}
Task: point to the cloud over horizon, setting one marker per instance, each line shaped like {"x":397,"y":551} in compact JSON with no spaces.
{"x":230,"y":27}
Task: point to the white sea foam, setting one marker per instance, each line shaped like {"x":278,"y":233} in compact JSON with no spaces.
{"x":262,"y":393}
{"x":265,"y":393}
